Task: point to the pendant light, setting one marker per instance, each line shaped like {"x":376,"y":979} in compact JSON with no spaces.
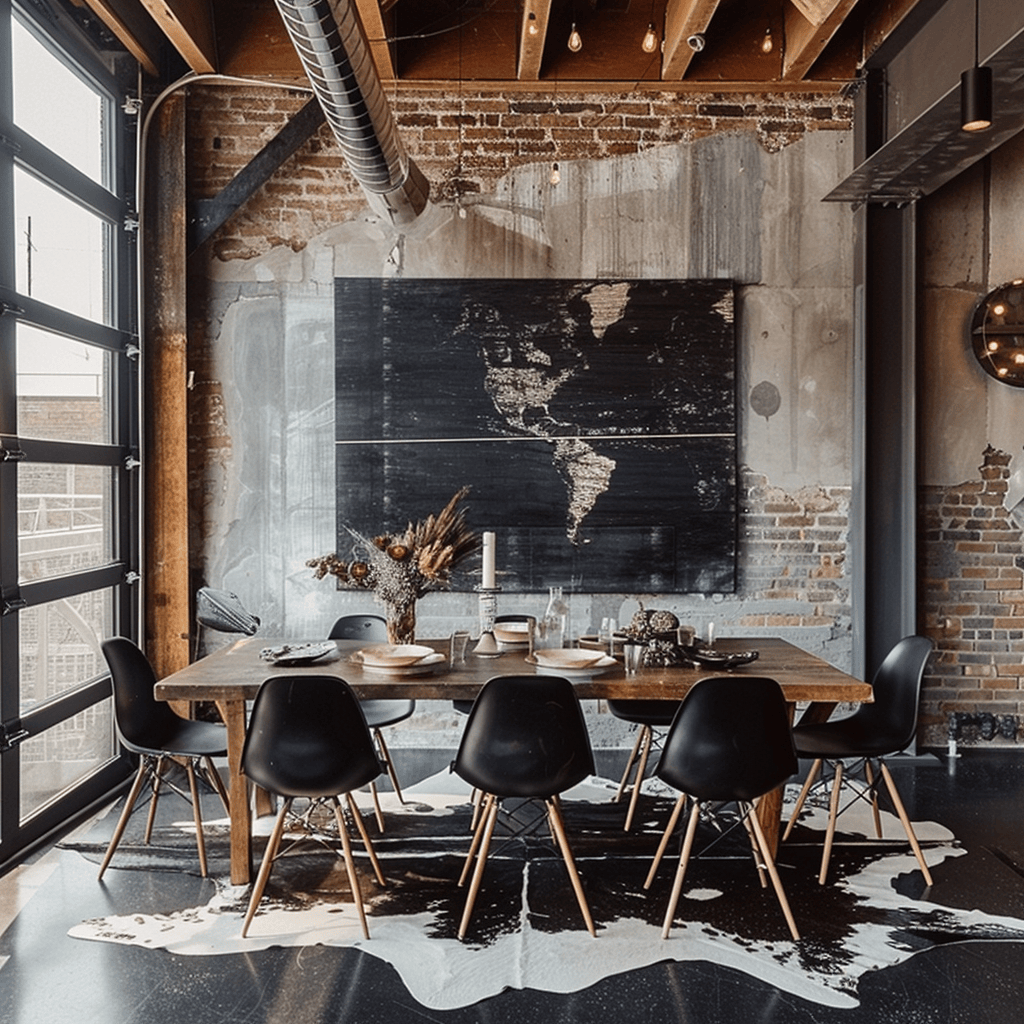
{"x":575,"y":39}
{"x":976,"y":90}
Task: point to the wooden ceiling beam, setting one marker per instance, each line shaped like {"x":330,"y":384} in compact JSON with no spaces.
{"x":882,"y":23}
{"x":188,"y":24}
{"x":683,"y":18}
{"x":533,"y":32}
{"x":133,"y":26}
{"x":371,"y":15}
{"x":806,"y":40}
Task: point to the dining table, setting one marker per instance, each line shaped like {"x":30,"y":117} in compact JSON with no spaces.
{"x":232,"y":675}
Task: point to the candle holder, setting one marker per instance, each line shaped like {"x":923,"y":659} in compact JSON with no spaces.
{"x":487,"y":646}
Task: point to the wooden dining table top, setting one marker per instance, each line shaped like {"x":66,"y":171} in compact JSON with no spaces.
{"x":236,"y":671}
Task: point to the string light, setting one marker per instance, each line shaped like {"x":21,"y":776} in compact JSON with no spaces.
{"x":767,"y":44}
{"x":575,"y":40}
{"x":650,"y":43}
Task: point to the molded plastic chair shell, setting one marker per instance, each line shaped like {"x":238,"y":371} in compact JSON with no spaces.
{"x":730,"y":741}
{"x":307,"y":737}
{"x":886,"y":725}
{"x":150,"y":728}
{"x":525,"y":738}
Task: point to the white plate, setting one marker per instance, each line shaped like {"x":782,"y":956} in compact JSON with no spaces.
{"x":559,"y":657}
{"x":417,"y":668}
{"x":299,"y":654}
{"x":394,"y":655}
{"x":579,"y":672}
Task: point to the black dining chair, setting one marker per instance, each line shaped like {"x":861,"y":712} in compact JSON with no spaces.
{"x":730,"y":742}
{"x":378,"y":713}
{"x":525,"y":738}
{"x":150,"y":728}
{"x":307,"y":738}
{"x":876,"y":730}
{"x":649,"y":715}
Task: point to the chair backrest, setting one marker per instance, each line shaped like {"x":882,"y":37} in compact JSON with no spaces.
{"x":525,"y":737}
{"x":730,"y":740}
{"x":307,"y":737}
{"x":372,"y":628}
{"x":889,"y":723}
{"x":223,"y":611}
{"x":142,"y":721}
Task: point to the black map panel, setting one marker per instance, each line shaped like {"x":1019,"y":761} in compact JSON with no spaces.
{"x":595,"y":422}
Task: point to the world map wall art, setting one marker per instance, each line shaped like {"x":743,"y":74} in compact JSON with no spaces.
{"x":594,"y":421}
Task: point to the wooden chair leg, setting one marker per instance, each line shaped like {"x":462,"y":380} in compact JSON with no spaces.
{"x":389,"y":764}
{"x":812,"y":774}
{"x":361,"y":826}
{"x":755,"y":848}
{"x":833,"y":813}
{"x":476,"y":798}
{"x":641,"y":768}
{"x":769,"y":862}
{"x":474,"y":886}
{"x":684,"y":859}
{"x":350,"y":866}
{"x":904,"y":818}
{"x":558,"y":827}
{"x":629,"y":764}
{"x":266,"y":864}
{"x":126,"y":813}
{"x":477,"y":836}
{"x":870,"y":776}
{"x":377,"y":812}
{"x":197,"y":814}
{"x":158,"y":774}
{"x":663,"y":845}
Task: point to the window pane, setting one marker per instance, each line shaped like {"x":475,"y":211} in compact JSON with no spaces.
{"x":61,"y":250}
{"x":55,"y":106}
{"x":55,"y":760}
{"x":60,"y":645}
{"x":64,"y":519}
{"x":63,"y":388}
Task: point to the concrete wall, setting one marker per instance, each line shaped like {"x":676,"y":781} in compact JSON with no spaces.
{"x":737,"y":199}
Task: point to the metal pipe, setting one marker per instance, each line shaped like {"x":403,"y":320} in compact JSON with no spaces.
{"x":328,"y":37}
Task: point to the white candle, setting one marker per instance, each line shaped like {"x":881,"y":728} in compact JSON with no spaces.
{"x":488,"y":562}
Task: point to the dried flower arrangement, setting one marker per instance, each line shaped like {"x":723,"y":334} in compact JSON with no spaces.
{"x":403,"y":567}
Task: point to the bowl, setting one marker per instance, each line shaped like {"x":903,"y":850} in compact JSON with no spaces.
{"x":568,"y":657}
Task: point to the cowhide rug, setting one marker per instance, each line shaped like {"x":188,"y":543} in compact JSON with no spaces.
{"x":527,"y":931}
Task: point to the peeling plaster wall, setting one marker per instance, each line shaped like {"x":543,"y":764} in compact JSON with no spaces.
{"x":972,"y":453}
{"x":722,"y":205}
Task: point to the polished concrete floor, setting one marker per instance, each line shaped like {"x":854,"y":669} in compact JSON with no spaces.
{"x":47,"y":976}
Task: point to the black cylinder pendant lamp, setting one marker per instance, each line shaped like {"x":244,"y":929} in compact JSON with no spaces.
{"x":976,"y":90}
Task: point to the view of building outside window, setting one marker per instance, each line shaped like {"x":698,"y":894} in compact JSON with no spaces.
{"x":66,"y":511}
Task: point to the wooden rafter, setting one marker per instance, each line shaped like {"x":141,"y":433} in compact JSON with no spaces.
{"x":188,"y":24}
{"x":683,"y":18}
{"x":882,"y":24}
{"x":371,"y":15}
{"x":805,"y":40}
{"x":131,"y":23}
{"x":532,"y":32}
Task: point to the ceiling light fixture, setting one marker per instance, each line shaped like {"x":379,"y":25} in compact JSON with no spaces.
{"x":575,"y":40}
{"x":767,"y":44}
{"x":650,"y":43}
{"x":976,"y":90}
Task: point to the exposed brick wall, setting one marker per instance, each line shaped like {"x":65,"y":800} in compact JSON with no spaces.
{"x":973,"y":601}
{"x":464,"y":142}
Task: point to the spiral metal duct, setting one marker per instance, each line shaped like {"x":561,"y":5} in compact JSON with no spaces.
{"x":328,"y":38}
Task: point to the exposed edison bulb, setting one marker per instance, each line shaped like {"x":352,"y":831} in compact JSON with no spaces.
{"x":575,"y":40}
{"x":1019,"y":358}
{"x":993,"y":346}
{"x":556,"y":175}
{"x":767,"y":44}
{"x":999,"y":309}
{"x":1002,"y":371}
{"x":532,"y":27}
{"x":650,"y":43}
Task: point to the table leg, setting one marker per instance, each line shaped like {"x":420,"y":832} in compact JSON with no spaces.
{"x":233,"y":713}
